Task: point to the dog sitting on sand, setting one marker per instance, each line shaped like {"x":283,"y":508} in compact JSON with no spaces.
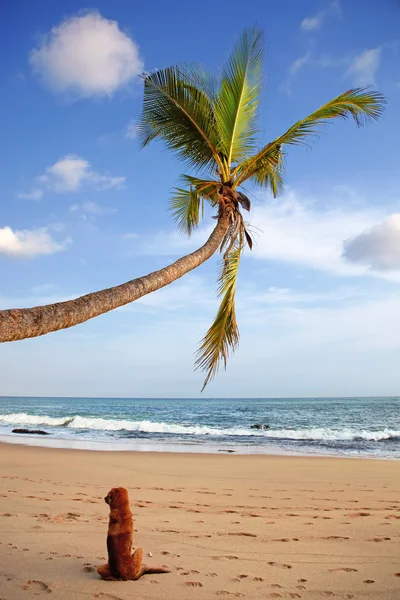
{"x":122,"y":564}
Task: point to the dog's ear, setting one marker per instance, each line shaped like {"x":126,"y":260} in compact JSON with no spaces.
{"x":123,"y":493}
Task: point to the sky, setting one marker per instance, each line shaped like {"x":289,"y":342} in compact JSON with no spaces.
{"x":83,"y":207}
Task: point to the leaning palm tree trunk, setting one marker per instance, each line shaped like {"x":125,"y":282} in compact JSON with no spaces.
{"x":21,"y":323}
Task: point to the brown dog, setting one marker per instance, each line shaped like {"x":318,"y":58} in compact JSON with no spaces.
{"x":122,"y":564}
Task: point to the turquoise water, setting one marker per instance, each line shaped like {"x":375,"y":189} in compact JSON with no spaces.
{"x":364,"y":427}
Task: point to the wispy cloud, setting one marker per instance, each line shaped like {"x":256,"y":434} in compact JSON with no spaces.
{"x":92,"y":208}
{"x":294,"y":68}
{"x":299,"y":63}
{"x":28,"y":243}
{"x":363,"y":67}
{"x":87,"y":55}
{"x":312,"y":23}
{"x":297,"y":230}
{"x":34,"y":195}
{"x":131,"y":130}
{"x":315,"y":22}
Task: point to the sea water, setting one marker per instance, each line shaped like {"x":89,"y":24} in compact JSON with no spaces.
{"x":357,"y":427}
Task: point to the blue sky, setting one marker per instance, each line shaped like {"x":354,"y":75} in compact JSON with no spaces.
{"x":82,"y":207}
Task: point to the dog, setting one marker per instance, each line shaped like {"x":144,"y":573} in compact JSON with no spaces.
{"x":122,"y":564}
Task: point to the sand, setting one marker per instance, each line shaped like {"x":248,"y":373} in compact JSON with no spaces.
{"x":228,"y":526}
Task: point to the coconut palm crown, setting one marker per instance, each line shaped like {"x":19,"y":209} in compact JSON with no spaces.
{"x":212,"y":124}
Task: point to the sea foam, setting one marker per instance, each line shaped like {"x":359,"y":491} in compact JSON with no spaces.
{"x":100,"y":424}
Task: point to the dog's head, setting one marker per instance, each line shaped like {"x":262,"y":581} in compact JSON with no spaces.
{"x":117,"y":497}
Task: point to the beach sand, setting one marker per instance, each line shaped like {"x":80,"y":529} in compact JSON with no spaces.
{"x":228,"y":526}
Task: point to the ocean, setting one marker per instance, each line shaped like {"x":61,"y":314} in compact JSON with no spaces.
{"x":348,"y":427}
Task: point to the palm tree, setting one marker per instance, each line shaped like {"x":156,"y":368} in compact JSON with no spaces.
{"x":211,"y":123}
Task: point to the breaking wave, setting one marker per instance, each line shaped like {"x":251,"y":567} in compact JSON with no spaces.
{"x":307,"y":434}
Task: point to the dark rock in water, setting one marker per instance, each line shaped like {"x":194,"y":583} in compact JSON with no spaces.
{"x":35,"y":431}
{"x":230,"y":451}
{"x":259,"y":426}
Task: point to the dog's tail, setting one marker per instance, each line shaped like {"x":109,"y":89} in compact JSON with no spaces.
{"x":140,"y":569}
{"x":147,"y":570}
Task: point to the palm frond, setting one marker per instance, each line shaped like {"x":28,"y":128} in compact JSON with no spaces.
{"x":223,"y":335}
{"x":179,"y":111}
{"x":238,"y":99}
{"x":206,"y":188}
{"x":185,"y":207}
{"x":269,"y":171}
{"x":362,"y":104}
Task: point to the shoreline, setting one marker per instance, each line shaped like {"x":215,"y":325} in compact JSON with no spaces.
{"x":49,"y":442}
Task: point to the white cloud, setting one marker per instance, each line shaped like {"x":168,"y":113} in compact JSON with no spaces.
{"x":296,"y":230}
{"x":315,"y":22}
{"x":131,"y":130}
{"x":378,"y":248}
{"x":312,"y":23}
{"x":275,"y":296}
{"x":93,"y":208}
{"x":294,"y":68}
{"x":299,"y":63}
{"x":66,"y":175}
{"x":69,"y":174}
{"x":28,"y":243}
{"x":363,"y":68}
{"x":34,"y":195}
{"x":87,"y":55}
{"x":96,"y":209}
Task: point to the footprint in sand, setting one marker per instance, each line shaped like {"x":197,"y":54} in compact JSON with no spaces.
{"x":69,"y":517}
{"x":369,"y":581}
{"x":232,"y":594}
{"x":36,"y":587}
{"x":345,"y":569}
{"x":359,"y":514}
{"x":105,"y":597}
{"x":193,"y":584}
{"x":279,"y":565}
